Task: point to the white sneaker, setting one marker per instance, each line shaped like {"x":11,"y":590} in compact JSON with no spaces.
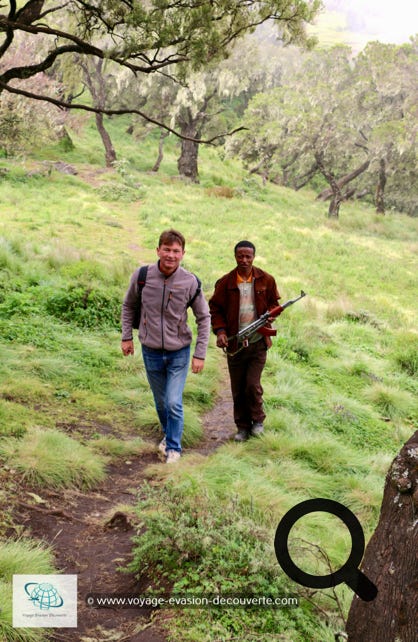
{"x":162,"y":447}
{"x":172,"y":456}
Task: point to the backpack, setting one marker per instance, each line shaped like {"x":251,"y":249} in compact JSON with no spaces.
{"x":142,"y":277}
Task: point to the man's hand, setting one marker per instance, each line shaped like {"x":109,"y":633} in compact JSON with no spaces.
{"x":271,"y":319}
{"x":127,"y":347}
{"x":197,"y":365}
{"x":221,"y":340}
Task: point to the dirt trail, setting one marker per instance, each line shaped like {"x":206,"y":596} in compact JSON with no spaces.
{"x":74,"y":524}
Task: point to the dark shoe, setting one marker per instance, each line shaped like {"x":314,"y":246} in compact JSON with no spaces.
{"x":242,"y":435}
{"x":257,"y":429}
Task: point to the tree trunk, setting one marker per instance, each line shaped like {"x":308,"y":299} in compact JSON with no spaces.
{"x":157,"y":163}
{"x":110,"y":154}
{"x":390,"y":560}
{"x":187,"y":161}
{"x":380,"y":190}
{"x":327,"y":193}
{"x":334,"y":206}
{"x":96,"y":84}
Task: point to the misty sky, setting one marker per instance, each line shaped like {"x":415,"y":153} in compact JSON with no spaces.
{"x":356,"y":22}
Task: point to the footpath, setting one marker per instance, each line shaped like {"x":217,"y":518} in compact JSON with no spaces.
{"x":91,"y":536}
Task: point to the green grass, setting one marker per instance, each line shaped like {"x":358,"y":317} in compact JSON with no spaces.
{"x":51,"y":458}
{"x":20,"y":557}
{"x":340,"y":381}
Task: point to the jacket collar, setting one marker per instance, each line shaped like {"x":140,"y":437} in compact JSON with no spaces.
{"x":232,"y":277}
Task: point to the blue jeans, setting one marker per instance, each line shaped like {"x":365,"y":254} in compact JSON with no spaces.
{"x":166,"y":373}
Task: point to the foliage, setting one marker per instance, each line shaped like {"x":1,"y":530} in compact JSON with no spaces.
{"x":203,"y":551}
{"x":333,"y":115}
{"x":23,"y":122}
{"x":141,"y":38}
{"x":86,"y":307}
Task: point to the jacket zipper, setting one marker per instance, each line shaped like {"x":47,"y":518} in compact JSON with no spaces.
{"x":162,"y":317}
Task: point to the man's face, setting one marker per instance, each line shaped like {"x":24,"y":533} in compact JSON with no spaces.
{"x":244,"y":257}
{"x":170,"y":257}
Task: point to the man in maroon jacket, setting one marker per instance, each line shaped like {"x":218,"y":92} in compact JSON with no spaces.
{"x":240,"y":297}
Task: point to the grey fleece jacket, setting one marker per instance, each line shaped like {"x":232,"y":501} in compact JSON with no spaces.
{"x":163,"y":322}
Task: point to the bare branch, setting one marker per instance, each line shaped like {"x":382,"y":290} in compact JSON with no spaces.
{"x":114,"y":112}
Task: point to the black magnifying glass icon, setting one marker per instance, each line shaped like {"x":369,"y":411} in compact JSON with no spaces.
{"x":349,"y":572}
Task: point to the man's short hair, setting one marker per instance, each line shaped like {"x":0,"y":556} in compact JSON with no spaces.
{"x":244,"y":244}
{"x":168,"y":237}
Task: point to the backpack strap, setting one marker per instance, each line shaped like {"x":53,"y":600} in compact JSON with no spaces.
{"x":142,"y":277}
{"x":196,"y":294}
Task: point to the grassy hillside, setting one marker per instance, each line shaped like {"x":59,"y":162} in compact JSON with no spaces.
{"x":340,"y":384}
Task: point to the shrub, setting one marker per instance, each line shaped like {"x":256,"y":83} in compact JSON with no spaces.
{"x":203,"y":550}
{"x":86,"y":307}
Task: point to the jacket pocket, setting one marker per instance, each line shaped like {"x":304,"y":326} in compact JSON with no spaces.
{"x":261,"y":297}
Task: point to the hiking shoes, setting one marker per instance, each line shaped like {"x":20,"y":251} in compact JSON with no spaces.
{"x":242,"y":435}
{"x":172,"y":456}
{"x":162,"y":447}
{"x":257,"y":429}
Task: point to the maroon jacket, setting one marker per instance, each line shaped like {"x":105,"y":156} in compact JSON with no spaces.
{"x":224,"y":303}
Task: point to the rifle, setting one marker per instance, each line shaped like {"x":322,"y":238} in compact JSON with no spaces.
{"x":259,"y":324}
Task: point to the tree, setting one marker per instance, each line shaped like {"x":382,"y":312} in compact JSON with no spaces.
{"x":201,"y":104}
{"x":142,"y":37}
{"x":99,"y":86}
{"x":390,"y":560}
{"x":385,"y":79}
{"x":206,"y":102}
{"x":22,"y":121}
{"x":155,"y":94}
{"x":306,"y":125}
{"x":352,"y":121}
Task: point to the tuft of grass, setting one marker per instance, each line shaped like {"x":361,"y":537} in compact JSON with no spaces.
{"x":117,"y":448}
{"x":24,"y":556}
{"x":406,"y":353}
{"x":52,"y":458}
{"x":193,"y":431}
{"x":391,"y":402}
{"x":288,"y":388}
{"x":338,"y":309}
{"x":14,"y":419}
{"x":16,"y":558}
{"x":205,"y":549}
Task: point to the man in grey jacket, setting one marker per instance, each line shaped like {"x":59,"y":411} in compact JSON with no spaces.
{"x":164,"y":334}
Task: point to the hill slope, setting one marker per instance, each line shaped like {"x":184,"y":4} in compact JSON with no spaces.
{"x":340,"y":384}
